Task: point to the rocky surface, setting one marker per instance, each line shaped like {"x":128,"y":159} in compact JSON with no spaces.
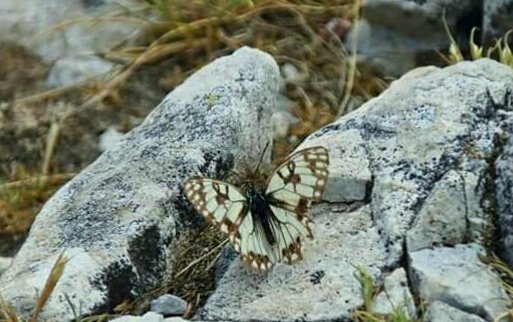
{"x":148,"y":317}
{"x":395,"y":36}
{"x":497,"y":18}
{"x":457,"y":276}
{"x":395,"y":295}
{"x":420,"y":160}
{"x":120,"y":219}
{"x":68,"y":34}
{"x":504,"y":193}
{"x":168,"y":304}
{"x":441,"y":312}
{"x":5,"y":262}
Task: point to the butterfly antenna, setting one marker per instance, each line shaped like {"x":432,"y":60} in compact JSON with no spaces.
{"x":261,"y":157}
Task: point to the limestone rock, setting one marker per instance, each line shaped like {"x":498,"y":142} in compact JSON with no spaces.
{"x":148,"y":317}
{"x":496,"y":18}
{"x":168,"y":304}
{"x":395,"y":295}
{"x":120,"y":219}
{"x":393,"y":161}
{"x":458,"y":194}
{"x":504,"y":193}
{"x":5,"y":262}
{"x":441,"y":312}
{"x":395,"y":35}
{"x":457,"y":277}
{"x":319,"y":288}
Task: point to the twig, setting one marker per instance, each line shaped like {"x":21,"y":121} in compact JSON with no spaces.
{"x":352,"y":64}
{"x":51,"y":142}
{"x":196,"y":261}
{"x":38,"y":180}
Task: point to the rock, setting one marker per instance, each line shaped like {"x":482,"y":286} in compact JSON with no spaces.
{"x":110,"y":138}
{"x":33,"y":23}
{"x":441,"y":312}
{"x":77,"y":69}
{"x":496,"y":18}
{"x":168,"y":304}
{"x":504,"y":193}
{"x":414,"y":134}
{"x":456,"y":193}
{"x":457,"y":277}
{"x":148,"y":317}
{"x":119,"y":220}
{"x":396,"y":35}
{"x":433,"y":131}
{"x":281,"y":123}
{"x":5,"y":262}
{"x":67,"y":30}
{"x":395,"y":295}
{"x":322,"y":287}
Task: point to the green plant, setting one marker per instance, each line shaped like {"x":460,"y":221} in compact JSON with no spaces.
{"x":368,"y":291}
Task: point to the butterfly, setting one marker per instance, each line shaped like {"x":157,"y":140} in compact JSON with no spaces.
{"x":265,"y":225}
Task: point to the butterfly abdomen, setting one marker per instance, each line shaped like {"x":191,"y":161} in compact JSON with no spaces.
{"x":261,"y":212}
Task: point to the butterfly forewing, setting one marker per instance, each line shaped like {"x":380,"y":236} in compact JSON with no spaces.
{"x":300,"y":179}
{"x":217,"y":201}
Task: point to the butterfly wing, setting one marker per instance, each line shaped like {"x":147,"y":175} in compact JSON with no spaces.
{"x":300,"y":180}
{"x":224,"y":205}
{"x":291,"y":188}
{"x":218,"y":202}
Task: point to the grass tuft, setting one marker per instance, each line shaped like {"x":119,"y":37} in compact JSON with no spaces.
{"x":368,"y":290}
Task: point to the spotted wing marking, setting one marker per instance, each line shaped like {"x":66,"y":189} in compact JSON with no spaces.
{"x":219,"y":202}
{"x":300,"y":180}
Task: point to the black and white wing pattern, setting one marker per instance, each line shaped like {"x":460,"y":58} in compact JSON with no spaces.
{"x":266,"y":226}
{"x":219,"y":202}
{"x":290,"y":190}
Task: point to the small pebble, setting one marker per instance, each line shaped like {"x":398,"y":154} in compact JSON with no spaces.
{"x":169,"y":305}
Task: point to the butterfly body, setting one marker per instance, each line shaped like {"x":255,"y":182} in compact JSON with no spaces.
{"x":261,"y":211}
{"x":265,"y":224}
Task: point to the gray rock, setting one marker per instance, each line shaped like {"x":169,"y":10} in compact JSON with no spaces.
{"x":118,"y":220}
{"x":457,"y":277}
{"x":5,"y":262}
{"x":432,"y":131}
{"x":504,"y":193}
{"x":110,"y":138}
{"x":394,"y":34}
{"x":412,"y":135}
{"x":168,"y":304}
{"x":395,"y":295}
{"x":77,"y":69}
{"x":417,"y":18}
{"x":441,"y":312}
{"x":497,"y":18}
{"x":322,"y":287}
{"x":32,"y":23}
{"x":175,"y":319}
{"x":281,"y":123}
{"x":148,"y":317}
{"x":456,"y":193}
{"x":68,"y":33}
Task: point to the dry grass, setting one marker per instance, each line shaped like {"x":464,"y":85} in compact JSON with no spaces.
{"x":22,"y":197}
